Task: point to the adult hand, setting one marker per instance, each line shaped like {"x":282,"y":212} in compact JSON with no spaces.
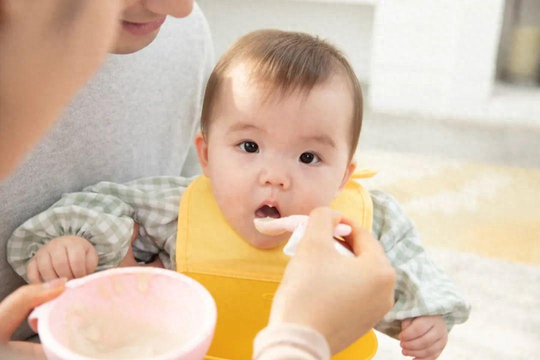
{"x":48,"y":50}
{"x":340,"y":297}
{"x":15,"y":309}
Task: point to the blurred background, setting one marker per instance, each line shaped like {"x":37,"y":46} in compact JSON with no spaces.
{"x":452,"y":124}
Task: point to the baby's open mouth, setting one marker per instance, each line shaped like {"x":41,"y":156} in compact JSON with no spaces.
{"x":267,"y":211}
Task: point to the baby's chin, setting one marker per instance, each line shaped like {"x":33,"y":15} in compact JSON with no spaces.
{"x":265,"y":242}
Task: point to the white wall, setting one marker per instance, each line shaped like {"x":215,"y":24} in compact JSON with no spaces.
{"x":434,"y":57}
{"x":349,"y":26}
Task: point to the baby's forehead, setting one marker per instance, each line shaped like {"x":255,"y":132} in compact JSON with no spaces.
{"x":324,"y":111}
{"x":242,"y":86}
{"x":263,"y":78}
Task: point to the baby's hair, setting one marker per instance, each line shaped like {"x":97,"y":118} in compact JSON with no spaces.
{"x":287,"y":62}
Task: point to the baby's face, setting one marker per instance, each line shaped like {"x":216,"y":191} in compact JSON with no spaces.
{"x":276,"y":156}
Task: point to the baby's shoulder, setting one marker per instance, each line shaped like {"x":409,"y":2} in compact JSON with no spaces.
{"x":390,"y":221}
{"x":385,"y":204}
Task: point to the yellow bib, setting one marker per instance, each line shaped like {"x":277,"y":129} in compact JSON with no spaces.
{"x":241,"y":278}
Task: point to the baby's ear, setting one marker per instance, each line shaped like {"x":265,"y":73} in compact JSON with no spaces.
{"x":202,"y":151}
{"x":348,"y":173}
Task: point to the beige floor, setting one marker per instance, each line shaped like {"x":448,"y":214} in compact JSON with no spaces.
{"x":481,"y":225}
{"x":478,"y":208}
{"x":503,"y":324}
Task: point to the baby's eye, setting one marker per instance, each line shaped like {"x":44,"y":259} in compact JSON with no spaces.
{"x":249,"y":147}
{"x":309,"y":158}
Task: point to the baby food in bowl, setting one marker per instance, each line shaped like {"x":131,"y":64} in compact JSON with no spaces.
{"x":128,"y":313}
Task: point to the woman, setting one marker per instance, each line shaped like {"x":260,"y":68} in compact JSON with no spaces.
{"x":305,"y":322}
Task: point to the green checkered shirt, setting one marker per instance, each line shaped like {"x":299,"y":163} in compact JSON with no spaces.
{"x":105,"y":213}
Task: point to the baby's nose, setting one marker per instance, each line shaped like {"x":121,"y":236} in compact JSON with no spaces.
{"x":275,"y":178}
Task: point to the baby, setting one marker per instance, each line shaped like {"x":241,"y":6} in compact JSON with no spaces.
{"x":281,"y":120}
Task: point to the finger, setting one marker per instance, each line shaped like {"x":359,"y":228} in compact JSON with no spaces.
{"x":32,"y":272}
{"x":60,"y":262}
{"x":92,"y":260}
{"x":16,"y":307}
{"x":318,"y":233}
{"x":342,"y":230}
{"x":418,"y":328}
{"x":77,"y":260}
{"x":405,"y":324}
{"x":45,"y":265}
{"x":433,"y":357}
{"x":22,"y":350}
{"x":422,"y":342}
{"x":320,"y":229}
{"x":323,"y":220}
{"x":429,"y":352}
{"x":361,"y":241}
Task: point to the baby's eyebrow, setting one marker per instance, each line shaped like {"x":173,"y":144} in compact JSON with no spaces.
{"x":323,"y":139}
{"x":244,"y":126}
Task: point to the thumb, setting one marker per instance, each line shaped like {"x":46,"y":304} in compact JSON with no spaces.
{"x":16,"y":307}
{"x":320,"y":229}
{"x":406,"y":323}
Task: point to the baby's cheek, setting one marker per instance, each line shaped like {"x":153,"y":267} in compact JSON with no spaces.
{"x":226,"y":185}
{"x":227,"y":199}
{"x":233,"y":212}
{"x":314,"y":200}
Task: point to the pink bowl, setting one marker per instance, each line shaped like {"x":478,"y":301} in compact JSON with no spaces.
{"x":163,"y":299}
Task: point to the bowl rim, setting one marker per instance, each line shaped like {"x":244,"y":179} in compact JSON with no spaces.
{"x":49,"y":342}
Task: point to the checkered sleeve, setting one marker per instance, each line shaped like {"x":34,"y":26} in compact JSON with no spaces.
{"x":422,"y":289}
{"x":104,"y":214}
{"x":155,"y":202}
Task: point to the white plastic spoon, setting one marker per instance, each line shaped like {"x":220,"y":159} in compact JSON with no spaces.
{"x":297,"y":225}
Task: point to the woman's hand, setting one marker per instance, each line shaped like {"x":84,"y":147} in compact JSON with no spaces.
{"x":340,"y":297}
{"x":15,"y":309}
{"x":48,"y":50}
